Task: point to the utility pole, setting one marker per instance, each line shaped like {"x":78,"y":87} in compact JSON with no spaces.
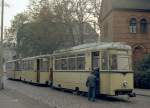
{"x":1,"y":46}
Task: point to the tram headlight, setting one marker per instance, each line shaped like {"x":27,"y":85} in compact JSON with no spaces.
{"x":125,"y":84}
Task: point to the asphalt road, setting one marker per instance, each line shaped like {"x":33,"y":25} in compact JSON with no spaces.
{"x":35,"y":96}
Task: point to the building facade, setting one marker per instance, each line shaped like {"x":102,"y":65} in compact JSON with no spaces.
{"x":127,"y":21}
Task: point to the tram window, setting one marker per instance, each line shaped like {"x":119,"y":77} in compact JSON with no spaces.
{"x":95,"y":59}
{"x":64,"y":64}
{"x":25,"y":65}
{"x":30,"y":65}
{"x":123,"y":62}
{"x":119,"y":62}
{"x":113,"y":62}
{"x":80,"y":63}
{"x":71,"y":63}
{"x":80,"y":54}
{"x":43,"y":65}
{"x":18,"y":66}
{"x":104,"y":61}
{"x":58,"y":64}
{"x":10,"y":66}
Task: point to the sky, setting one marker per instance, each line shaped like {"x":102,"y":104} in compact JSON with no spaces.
{"x":15,"y":6}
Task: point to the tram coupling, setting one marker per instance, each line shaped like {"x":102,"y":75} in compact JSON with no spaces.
{"x":132,"y":94}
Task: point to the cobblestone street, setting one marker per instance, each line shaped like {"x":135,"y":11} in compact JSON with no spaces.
{"x":36,"y":97}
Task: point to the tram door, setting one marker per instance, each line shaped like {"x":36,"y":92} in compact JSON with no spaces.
{"x":95,"y":60}
{"x":96,"y":64}
{"x":38,"y":71}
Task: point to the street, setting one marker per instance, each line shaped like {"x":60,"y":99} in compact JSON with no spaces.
{"x":36,"y":97}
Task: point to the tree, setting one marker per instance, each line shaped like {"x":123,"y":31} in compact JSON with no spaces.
{"x":82,"y":13}
{"x":44,"y":27}
{"x":11,"y":32}
{"x":142,"y":73}
{"x":34,"y":39}
{"x":40,"y":10}
{"x":63,"y":10}
{"x":97,"y":11}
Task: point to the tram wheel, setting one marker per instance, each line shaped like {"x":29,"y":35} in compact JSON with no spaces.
{"x":76,"y":91}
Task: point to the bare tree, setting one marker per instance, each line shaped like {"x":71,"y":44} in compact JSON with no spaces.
{"x":63,"y":10}
{"x":70,"y":11}
{"x":82,"y":13}
{"x":96,"y":4}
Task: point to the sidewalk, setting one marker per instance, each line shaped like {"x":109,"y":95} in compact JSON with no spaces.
{"x":13,"y":99}
{"x":8,"y":102}
{"x":142,"y":92}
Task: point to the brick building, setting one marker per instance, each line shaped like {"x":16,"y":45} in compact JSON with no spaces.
{"x":127,"y":21}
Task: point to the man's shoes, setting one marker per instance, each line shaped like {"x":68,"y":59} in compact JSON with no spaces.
{"x":93,"y":100}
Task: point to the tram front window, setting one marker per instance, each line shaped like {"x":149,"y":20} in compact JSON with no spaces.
{"x":119,"y":62}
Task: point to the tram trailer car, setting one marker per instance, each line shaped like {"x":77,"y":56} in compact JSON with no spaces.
{"x":11,"y":69}
{"x":36,"y":70}
{"x":73,"y":66}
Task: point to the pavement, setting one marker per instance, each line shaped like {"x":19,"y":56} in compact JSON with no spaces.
{"x":20,"y":95}
{"x":13,"y":99}
{"x":8,"y":102}
{"x":142,"y":92}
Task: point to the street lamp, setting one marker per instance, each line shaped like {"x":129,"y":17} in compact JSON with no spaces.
{"x":1,"y":45}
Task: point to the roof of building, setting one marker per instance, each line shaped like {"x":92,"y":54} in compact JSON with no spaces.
{"x":131,"y":4}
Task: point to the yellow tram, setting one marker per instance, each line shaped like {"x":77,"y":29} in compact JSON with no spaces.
{"x":69,"y":68}
{"x":72,"y":67}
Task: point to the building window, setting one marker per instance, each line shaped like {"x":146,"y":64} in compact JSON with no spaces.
{"x":138,"y":53}
{"x":133,"y":25}
{"x":143,"y":25}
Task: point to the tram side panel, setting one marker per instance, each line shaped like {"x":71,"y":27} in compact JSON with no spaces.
{"x":44,"y":70}
{"x":104,"y":82}
{"x":88,"y":68}
{"x":74,"y":79}
{"x":29,"y":73}
{"x":18,"y":70}
{"x":10,"y":70}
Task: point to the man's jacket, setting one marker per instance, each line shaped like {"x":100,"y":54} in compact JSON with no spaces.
{"x":91,"y":81}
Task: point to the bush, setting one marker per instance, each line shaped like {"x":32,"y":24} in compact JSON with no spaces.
{"x":142,"y":73}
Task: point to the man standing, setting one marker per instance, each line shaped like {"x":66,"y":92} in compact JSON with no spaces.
{"x":91,"y":84}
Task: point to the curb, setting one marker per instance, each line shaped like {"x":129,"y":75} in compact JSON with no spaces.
{"x":142,"y":95}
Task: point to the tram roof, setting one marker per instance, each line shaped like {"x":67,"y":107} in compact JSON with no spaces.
{"x":95,"y":46}
{"x":30,"y":58}
{"x":13,"y":60}
{"x":40,"y":56}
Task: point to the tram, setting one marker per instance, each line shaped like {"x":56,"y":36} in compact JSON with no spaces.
{"x":73,"y":66}
{"x":69,"y":68}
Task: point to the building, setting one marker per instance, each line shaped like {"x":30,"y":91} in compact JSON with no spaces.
{"x":127,"y":21}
